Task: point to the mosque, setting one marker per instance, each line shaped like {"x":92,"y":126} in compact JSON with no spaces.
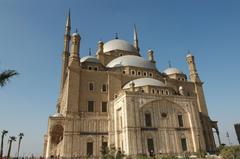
{"x":120,"y":100}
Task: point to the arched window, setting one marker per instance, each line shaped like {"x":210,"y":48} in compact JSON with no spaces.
{"x":104,"y":88}
{"x":150,"y":146}
{"x":91,"y":86}
{"x":167,"y":92}
{"x":133,"y":72}
{"x":104,"y":106}
{"x":90,"y":148}
{"x":184,"y":144}
{"x":153,"y":91}
{"x":90,"y":106}
{"x":56,"y":134}
{"x":148,"y":120}
{"x":180,"y":120}
{"x":139,"y":73}
{"x":162,"y":92}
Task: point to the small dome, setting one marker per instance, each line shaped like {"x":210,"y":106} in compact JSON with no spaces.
{"x":75,"y":34}
{"x":144,"y":82}
{"x":189,"y":55}
{"x":171,"y":70}
{"x":57,"y":115}
{"x":89,"y":59}
{"x":118,"y":44}
{"x":131,"y":60}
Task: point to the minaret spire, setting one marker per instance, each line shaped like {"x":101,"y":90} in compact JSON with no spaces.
{"x":68,"y":24}
{"x":135,"y":38}
{"x":67,"y":34}
{"x":66,"y":52}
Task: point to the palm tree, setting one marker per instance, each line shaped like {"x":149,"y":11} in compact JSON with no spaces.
{"x":11,"y":139}
{"x":4,"y":132}
{"x":19,"y":142}
{"x":6,"y":75}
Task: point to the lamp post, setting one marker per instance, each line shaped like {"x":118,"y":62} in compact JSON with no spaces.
{"x":12,"y":138}
{"x":227,"y":135}
{"x":19,"y":143}
{"x":4,"y":132}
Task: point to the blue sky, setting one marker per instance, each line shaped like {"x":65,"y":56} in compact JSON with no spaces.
{"x":31,"y":41}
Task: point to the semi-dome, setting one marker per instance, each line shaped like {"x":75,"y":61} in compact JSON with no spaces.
{"x":118,"y":44}
{"x":89,"y":59}
{"x":172,"y":70}
{"x":140,"y":82}
{"x":131,"y":60}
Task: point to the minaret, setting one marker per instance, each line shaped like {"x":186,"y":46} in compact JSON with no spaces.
{"x":100,"y":54}
{"x":207,"y":123}
{"x":135,"y":37}
{"x":74,"y":60}
{"x":192,"y":69}
{"x":65,"y":54}
{"x":73,"y":77}
{"x":72,"y":93}
{"x":194,"y":77}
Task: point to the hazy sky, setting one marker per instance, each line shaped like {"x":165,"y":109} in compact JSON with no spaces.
{"x":31,"y":41}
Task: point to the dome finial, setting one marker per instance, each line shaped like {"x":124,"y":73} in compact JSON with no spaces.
{"x":169,"y":64}
{"x":89,"y":51}
{"x":116,"y":35}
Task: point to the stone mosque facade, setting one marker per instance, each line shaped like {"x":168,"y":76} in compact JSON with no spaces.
{"x":120,"y":100}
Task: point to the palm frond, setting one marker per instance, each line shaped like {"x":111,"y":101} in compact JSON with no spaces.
{"x":6,"y":75}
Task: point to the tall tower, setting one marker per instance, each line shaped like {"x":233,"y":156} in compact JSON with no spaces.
{"x":192,"y":69}
{"x":71,"y":93}
{"x":194,"y":77}
{"x":135,"y":38}
{"x":73,"y":77}
{"x":65,"y":54}
{"x":207,"y":123}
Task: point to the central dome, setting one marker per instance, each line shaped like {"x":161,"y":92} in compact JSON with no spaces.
{"x":131,"y":60}
{"x":118,"y":44}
